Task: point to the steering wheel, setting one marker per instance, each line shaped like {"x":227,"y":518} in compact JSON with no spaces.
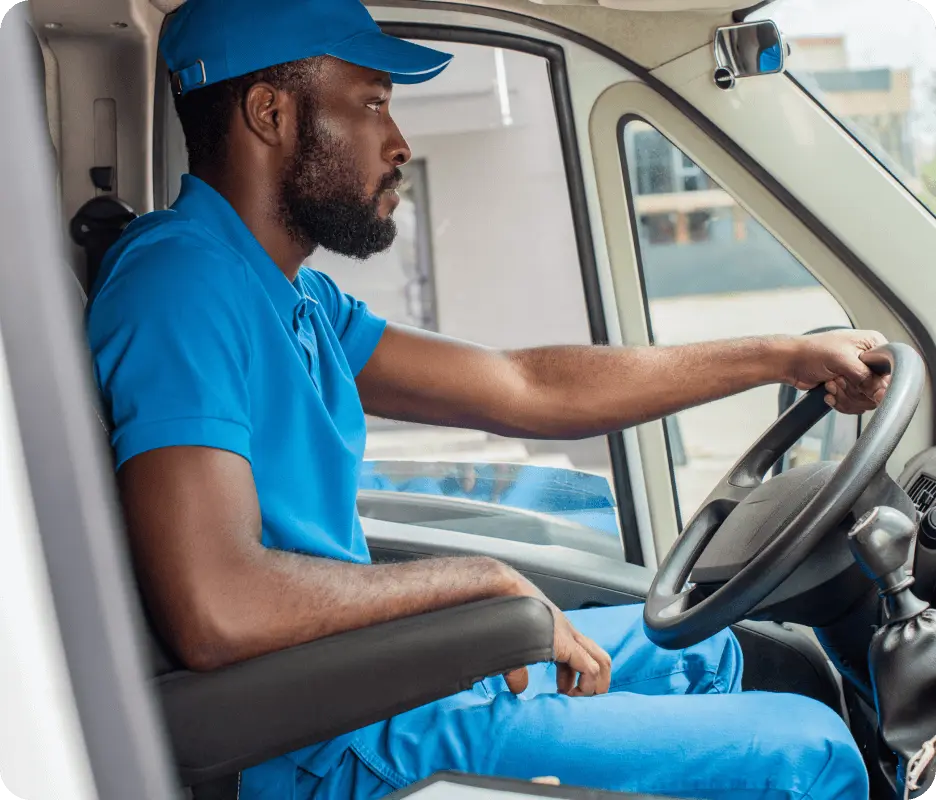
{"x":676,"y":614}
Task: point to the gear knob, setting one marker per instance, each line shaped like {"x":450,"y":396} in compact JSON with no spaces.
{"x":881,"y":542}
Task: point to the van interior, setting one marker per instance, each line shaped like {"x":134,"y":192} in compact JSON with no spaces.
{"x":624,"y":172}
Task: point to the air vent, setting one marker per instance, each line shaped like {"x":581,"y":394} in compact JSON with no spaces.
{"x":923,"y":493}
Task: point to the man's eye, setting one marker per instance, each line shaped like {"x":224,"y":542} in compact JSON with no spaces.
{"x":375,"y":106}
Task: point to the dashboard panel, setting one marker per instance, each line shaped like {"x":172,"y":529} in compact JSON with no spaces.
{"x":918,"y":480}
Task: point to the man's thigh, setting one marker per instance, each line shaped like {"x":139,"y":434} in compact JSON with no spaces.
{"x":710,"y":747}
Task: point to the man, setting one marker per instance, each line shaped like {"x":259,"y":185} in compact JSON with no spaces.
{"x":237,"y":382}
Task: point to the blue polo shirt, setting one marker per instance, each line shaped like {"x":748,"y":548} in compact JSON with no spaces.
{"x":199,"y":339}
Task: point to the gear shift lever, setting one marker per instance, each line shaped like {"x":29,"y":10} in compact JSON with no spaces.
{"x":881,"y":542}
{"x":902,"y":655}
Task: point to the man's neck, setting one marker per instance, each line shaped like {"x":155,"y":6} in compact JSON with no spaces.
{"x":260,"y":212}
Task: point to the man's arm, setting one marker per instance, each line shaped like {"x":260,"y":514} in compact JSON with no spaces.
{"x":219,"y":596}
{"x":577,"y":392}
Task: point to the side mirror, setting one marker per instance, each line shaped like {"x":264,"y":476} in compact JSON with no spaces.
{"x":829,"y":440}
{"x":748,"y":50}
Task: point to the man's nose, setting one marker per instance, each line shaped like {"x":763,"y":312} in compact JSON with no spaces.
{"x":398,"y":150}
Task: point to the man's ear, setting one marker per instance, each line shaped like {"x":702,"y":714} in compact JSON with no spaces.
{"x":268,"y":113}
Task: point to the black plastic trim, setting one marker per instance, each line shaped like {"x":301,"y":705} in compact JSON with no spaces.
{"x":922,"y":337}
{"x":394,"y":667}
{"x":598,"y":327}
{"x":743,"y":13}
{"x":769,"y":649}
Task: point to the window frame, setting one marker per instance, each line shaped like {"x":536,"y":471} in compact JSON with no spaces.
{"x":626,"y":173}
{"x":418,"y":173}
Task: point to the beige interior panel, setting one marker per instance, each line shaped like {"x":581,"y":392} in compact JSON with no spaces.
{"x":649,"y":38}
{"x":98,"y":60}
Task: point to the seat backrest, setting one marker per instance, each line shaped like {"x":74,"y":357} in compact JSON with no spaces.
{"x":162,"y":661}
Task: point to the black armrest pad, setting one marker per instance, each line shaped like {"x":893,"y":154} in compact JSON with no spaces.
{"x":225,"y":721}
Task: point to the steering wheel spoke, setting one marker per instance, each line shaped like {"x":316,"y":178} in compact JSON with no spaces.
{"x":786,"y":431}
{"x":727,"y":496}
{"x":688,"y":598}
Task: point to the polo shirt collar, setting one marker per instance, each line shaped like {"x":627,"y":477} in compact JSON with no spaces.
{"x":200,"y":202}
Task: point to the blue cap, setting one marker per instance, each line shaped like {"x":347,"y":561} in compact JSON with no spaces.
{"x":208,"y":41}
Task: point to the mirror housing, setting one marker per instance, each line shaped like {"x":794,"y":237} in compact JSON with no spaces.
{"x":748,"y":50}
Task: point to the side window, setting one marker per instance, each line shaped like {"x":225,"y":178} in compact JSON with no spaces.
{"x":711,"y":271}
{"x":486,"y":252}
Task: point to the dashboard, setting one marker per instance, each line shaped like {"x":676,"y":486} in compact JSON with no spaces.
{"x":918,"y":480}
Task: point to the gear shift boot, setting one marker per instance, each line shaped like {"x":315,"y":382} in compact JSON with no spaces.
{"x":902,"y":656}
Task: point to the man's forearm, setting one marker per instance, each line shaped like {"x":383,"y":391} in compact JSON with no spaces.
{"x":577,"y":392}
{"x":274,"y":600}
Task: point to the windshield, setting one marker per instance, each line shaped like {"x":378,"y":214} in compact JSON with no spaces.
{"x":872,"y":65}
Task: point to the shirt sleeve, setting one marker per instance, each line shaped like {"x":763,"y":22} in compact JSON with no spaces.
{"x":171,"y":349}
{"x":357,"y":328}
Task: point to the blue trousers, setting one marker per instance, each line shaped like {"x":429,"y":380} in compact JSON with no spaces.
{"x":674,"y":723}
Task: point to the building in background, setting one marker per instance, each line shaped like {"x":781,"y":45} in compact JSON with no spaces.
{"x":879,"y":101}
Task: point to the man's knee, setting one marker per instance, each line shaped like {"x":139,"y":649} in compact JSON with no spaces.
{"x":721,"y":659}
{"x":808,"y":749}
{"x":844,"y":774}
{"x":714,"y":665}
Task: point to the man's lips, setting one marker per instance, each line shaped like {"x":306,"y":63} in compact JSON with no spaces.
{"x":389,"y":198}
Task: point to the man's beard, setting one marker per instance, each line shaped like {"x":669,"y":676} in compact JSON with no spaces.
{"x":324,"y":202}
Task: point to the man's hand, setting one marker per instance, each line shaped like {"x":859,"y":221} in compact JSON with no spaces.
{"x":582,"y":667}
{"x":835,"y":359}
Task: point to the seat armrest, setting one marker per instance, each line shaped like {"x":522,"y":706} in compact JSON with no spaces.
{"x":224,"y":721}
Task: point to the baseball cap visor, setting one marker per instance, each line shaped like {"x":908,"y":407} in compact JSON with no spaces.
{"x":406,"y":62}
